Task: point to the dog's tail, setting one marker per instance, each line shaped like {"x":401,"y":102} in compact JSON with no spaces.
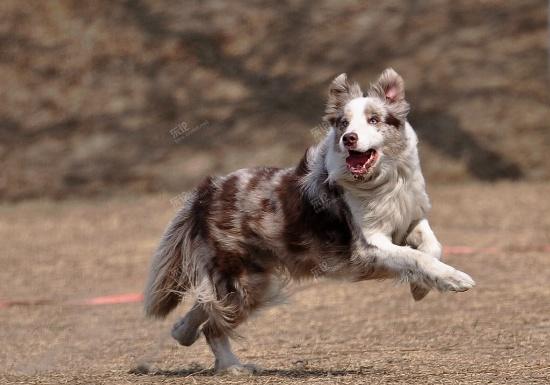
{"x":170,"y":267}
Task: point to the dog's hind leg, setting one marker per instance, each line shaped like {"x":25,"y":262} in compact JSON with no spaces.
{"x":238,"y":299}
{"x":225,"y":360}
{"x":187,"y":329}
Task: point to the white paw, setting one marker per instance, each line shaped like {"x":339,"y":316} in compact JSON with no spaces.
{"x":447,"y":278}
{"x":436,"y":251}
{"x":433,"y":249}
{"x":239,"y":370}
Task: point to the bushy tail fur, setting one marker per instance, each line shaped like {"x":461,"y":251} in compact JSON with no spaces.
{"x":179,"y":267}
{"x":168,"y":281}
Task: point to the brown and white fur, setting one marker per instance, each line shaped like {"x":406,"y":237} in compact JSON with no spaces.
{"x":354,"y":207}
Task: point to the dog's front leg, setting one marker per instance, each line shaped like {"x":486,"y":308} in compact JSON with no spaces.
{"x":422,"y":237}
{"x":411,"y":265}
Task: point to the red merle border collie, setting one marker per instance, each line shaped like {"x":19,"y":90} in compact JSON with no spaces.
{"x":354,"y":207}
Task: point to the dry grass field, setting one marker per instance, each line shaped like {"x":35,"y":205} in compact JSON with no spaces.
{"x":329,"y":332}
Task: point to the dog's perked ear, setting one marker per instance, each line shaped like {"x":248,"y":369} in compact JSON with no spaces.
{"x":340,"y":92}
{"x":390,"y":87}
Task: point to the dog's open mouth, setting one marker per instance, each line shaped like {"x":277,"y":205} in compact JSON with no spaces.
{"x":359,"y":163}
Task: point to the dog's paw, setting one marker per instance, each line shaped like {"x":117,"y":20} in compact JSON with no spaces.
{"x":448,"y":278}
{"x":239,"y":370}
{"x":185,"y":333}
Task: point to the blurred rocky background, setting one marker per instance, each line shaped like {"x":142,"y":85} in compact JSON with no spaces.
{"x":102,"y":97}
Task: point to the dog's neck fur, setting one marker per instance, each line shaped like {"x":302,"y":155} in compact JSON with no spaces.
{"x":389,"y":202}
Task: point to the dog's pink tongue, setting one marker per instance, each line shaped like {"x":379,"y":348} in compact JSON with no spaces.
{"x":356,"y":159}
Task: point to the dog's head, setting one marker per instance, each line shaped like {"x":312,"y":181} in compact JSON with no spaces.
{"x":368,"y":131}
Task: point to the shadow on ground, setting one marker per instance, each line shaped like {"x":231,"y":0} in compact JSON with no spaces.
{"x":289,"y":373}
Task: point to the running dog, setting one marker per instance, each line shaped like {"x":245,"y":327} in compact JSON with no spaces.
{"x":354,"y":207}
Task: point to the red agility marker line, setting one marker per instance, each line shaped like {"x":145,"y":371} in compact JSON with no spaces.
{"x":112,"y":299}
{"x":104,"y":300}
{"x":466,"y":250}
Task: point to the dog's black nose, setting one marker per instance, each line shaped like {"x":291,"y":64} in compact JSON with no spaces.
{"x":350,"y":139}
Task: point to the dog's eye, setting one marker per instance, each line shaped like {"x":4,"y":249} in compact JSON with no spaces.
{"x":374,"y":120}
{"x":344,"y":123}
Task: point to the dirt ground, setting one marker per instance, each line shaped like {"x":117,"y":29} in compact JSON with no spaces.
{"x":329,"y":332}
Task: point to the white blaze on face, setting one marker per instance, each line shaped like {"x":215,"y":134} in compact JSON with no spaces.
{"x":367,"y":134}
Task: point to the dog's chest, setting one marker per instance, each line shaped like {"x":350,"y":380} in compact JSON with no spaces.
{"x":390,"y":213}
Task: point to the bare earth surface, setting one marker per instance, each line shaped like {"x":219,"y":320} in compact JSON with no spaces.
{"x":329,"y":332}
